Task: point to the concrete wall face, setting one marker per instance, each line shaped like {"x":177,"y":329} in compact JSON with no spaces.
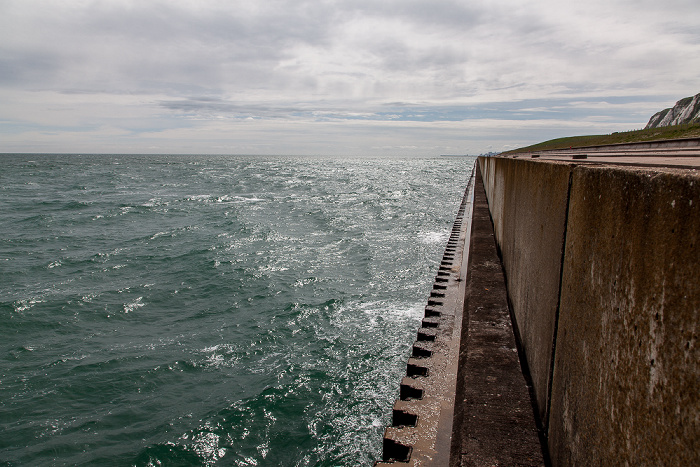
{"x":621,"y":335}
{"x":529,"y":202}
{"x":626,"y":377}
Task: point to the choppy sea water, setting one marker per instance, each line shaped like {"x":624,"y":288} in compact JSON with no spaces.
{"x":211,"y":310}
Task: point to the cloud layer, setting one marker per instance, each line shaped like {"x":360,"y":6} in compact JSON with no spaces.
{"x":336,"y":77}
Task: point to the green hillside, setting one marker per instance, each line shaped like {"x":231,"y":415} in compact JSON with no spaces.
{"x":652,"y":134}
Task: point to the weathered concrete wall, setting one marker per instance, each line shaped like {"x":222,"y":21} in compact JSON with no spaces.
{"x":528,"y":202}
{"x":626,"y":382}
{"x":617,"y":251}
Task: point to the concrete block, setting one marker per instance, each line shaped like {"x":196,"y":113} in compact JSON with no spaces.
{"x":626,"y":382}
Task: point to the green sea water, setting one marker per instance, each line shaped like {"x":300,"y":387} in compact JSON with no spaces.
{"x":212,"y":310}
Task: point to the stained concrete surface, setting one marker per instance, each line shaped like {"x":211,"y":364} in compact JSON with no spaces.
{"x":531,"y":223}
{"x":626,"y":384}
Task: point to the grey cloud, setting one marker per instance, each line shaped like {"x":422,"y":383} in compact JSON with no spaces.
{"x":165,"y":23}
{"x":20,"y":67}
{"x":111,"y":43}
{"x":223,"y":106}
{"x":447,"y":13}
{"x":209,"y":105}
{"x":116,"y":46}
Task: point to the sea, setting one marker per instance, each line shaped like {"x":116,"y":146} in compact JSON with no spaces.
{"x":184,"y":310}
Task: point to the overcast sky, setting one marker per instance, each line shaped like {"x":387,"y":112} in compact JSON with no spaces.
{"x":345,"y":77}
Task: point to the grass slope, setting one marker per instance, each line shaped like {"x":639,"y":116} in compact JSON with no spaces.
{"x":691,"y":130}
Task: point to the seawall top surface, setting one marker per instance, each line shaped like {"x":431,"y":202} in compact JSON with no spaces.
{"x":659,"y":161}
{"x":671,"y":154}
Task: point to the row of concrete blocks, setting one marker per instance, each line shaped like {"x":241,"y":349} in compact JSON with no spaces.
{"x":426,"y":394}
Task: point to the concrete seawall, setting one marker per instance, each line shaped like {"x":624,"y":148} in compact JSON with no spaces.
{"x":562,"y":326}
{"x":602,"y":266}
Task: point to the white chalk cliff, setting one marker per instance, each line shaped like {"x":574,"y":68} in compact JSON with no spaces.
{"x":685,"y":111}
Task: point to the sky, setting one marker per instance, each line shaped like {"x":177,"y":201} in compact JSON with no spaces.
{"x":336,"y":77}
